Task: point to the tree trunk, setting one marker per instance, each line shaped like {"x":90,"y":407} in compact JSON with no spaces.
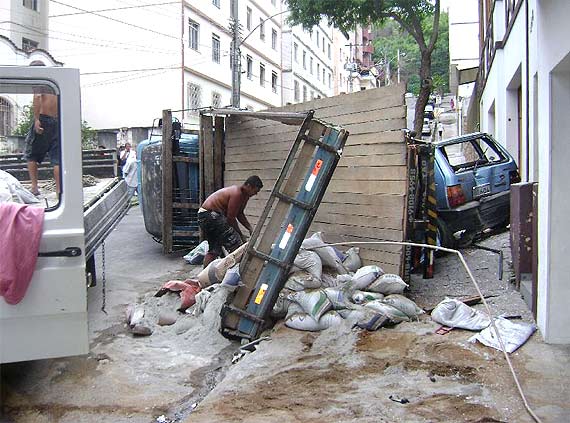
{"x":425,"y":90}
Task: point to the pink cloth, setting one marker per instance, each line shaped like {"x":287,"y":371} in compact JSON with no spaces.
{"x":20,"y":234}
{"x":187,"y":290}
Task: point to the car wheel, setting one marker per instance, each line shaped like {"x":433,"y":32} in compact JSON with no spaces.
{"x":444,"y":237}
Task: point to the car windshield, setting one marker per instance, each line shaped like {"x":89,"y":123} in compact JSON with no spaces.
{"x":472,"y":154}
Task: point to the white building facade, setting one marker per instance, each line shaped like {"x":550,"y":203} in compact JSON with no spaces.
{"x":307,"y":58}
{"x":25,"y":23}
{"x":525,"y":76}
{"x":138,"y":58}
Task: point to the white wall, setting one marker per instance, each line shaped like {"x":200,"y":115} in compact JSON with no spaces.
{"x":554,"y":156}
{"x":547,"y":93}
{"x":464,"y":33}
{"x":17,"y":22}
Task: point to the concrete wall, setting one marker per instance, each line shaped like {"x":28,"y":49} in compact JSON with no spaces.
{"x":554,"y":156}
{"x":545,"y":159}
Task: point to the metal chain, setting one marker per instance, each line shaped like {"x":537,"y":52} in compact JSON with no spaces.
{"x":104,"y":279}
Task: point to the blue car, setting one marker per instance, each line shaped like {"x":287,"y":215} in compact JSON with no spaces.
{"x":473,"y":176}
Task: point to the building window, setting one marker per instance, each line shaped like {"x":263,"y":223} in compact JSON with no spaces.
{"x":323,"y":44}
{"x":273,"y":2}
{"x":329,"y":50}
{"x":304,"y":59}
{"x":296,"y":90}
{"x":215,"y":48}
{"x":262,"y":75}
{"x":216,"y":3}
{"x":28,"y":45}
{"x":318,"y":71}
{"x":274,"y":39}
{"x":31,"y":4}
{"x":311,"y":66}
{"x":323,"y":75}
{"x":194,"y":100}
{"x":249,"y":67}
{"x":248,"y":19}
{"x":216,"y":99}
{"x":262,"y":29}
{"x":304,"y":93}
{"x":274,"y":82}
{"x":193,"y":34}
{"x":330,"y":80}
{"x":318,"y":38}
{"x":296,"y":52}
{"x":6,"y":117}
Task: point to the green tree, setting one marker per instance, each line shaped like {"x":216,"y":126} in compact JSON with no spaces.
{"x":409,"y":14}
{"x":393,"y":38}
{"x":88,"y":134}
{"x":25,"y":121}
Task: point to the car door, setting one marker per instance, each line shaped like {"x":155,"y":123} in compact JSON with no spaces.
{"x":51,"y":319}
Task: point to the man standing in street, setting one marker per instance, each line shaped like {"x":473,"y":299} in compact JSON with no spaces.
{"x":43,"y":137}
{"x":219,"y":216}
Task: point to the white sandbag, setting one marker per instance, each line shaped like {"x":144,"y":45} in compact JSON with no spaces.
{"x":308,"y":261}
{"x":338,"y":297}
{"x":352,"y":261}
{"x":327,"y":254}
{"x":365,"y":276}
{"x":513,"y":334}
{"x":196,"y":256}
{"x":299,"y":281}
{"x":208,"y":275}
{"x":306,"y":322}
{"x":216,"y":270}
{"x":388,"y":284}
{"x":405,"y":305}
{"x":387,"y":310}
{"x":314,"y":302}
{"x":453,"y":313}
{"x":232,"y":276}
{"x":361,"y":297}
{"x":330,"y":280}
{"x":12,"y":190}
{"x":282,"y":304}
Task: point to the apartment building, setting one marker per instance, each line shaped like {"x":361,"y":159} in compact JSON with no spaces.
{"x":140,"y":57}
{"x":25,"y":23}
{"x":524,"y":88}
{"x":307,"y":59}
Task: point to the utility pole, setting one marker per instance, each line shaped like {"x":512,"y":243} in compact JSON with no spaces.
{"x":398,"y":60}
{"x":235,"y":55}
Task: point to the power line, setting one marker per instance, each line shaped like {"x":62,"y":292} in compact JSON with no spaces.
{"x":112,"y":9}
{"x":117,"y":20}
{"x":129,"y":70}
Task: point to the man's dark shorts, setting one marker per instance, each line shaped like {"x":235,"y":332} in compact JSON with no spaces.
{"x":47,"y":143}
{"x":218,"y":232}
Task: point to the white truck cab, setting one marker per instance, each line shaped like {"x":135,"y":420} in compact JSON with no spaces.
{"x":51,"y":319}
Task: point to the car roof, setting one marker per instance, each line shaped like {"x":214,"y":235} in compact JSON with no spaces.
{"x":463,"y":138}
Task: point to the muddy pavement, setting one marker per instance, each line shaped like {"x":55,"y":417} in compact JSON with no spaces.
{"x":402,"y":374}
{"x":124,"y":378}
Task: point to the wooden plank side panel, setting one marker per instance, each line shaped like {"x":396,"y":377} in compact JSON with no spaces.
{"x":366,"y":198}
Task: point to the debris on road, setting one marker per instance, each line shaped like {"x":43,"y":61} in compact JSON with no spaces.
{"x":514,"y":334}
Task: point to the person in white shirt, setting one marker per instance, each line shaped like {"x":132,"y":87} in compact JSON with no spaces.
{"x":440,"y":130}
{"x":130,"y":174}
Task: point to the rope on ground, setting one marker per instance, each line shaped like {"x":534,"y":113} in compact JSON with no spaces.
{"x":462,"y":259}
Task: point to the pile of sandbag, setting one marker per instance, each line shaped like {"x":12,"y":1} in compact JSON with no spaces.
{"x":327,"y":286}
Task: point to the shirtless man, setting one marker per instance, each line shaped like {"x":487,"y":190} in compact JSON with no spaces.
{"x":44,"y":136}
{"x":219,"y":216}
